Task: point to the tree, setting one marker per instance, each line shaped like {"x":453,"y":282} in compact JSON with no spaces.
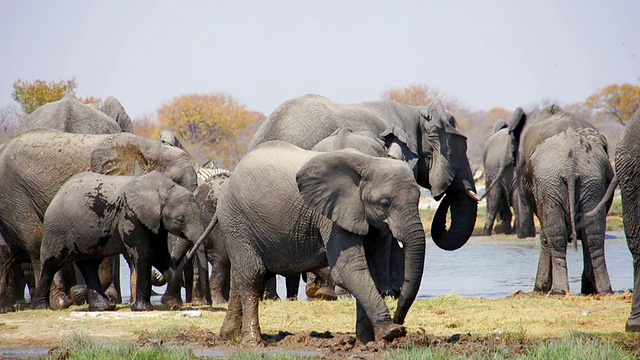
{"x":32,"y":95}
{"x":498,"y":113}
{"x":615,"y":102}
{"x":418,"y":95}
{"x":146,"y":126}
{"x":210,"y":126}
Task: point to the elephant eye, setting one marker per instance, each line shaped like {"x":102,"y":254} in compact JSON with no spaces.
{"x":385,"y":204}
{"x":180,"y":219}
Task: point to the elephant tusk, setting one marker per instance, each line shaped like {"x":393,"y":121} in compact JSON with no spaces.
{"x":400,"y":244}
{"x":472,"y":195}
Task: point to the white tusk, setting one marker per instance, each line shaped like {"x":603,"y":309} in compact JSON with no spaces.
{"x":472,"y":195}
{"x":400,"y":244}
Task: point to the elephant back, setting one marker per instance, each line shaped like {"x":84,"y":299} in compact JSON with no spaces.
{"x":72,"y":116}
{"x":546,"y":123}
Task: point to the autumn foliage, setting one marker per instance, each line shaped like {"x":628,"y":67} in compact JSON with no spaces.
{"x":211,"y":126}
{"x":32,"y":95}
{"x":617,"y":102}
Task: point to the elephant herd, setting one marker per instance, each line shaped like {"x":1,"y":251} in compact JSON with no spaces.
{"x":326,"y":188}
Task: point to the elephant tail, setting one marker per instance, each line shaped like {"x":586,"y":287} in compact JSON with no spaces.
{"x":571,"y":188}
{"x":607,"y":196}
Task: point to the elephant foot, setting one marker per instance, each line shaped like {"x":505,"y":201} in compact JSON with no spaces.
{"x":141,"y":306}
{"x":390,"y":331}
{"x":60,"y":302}
{"x":326,"y":293}
{"x":78,"y":294}
{"x":253,"y":341}
{"x":632,"y":325}
{"x":172,"y":302}
{"x":112,"y":294}
{"x":97,"y":302}
{"x":342,"y":292}
{"x":229,"y":333}
{"x":218,"y":299}
{"x":558,"y":292}
{"x":311,"y":289}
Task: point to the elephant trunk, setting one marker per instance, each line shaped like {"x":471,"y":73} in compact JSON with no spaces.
{"x":412,"y":237}
{"x":463,"y":218}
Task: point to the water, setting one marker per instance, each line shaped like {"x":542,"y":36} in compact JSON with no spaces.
{"x":489,"y":267}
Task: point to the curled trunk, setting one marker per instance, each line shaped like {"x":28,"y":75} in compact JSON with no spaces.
{"x":463,"y":218}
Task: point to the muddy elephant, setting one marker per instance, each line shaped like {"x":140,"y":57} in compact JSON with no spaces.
{"x":426,"y":137}
{"x":564,"y":175}
{"x":332,"y":208}
{"x":93,"y":216}
{"x":35,"y":164}
{"x":499,"y":160}
{"x":72,"y":116}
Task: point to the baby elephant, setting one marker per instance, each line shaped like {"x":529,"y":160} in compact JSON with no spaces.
{"x":93,"y":216}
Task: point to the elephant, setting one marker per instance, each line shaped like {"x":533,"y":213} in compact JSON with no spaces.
{"x":35,"y":164}
{"x":563,"y":176}
{"x":331,"y":209}
{"x":627,"y":175}
{"x":426,"y":137}
{"x":72,"y":116}
{"x":93,"y":216}
{"x":499,"y":160}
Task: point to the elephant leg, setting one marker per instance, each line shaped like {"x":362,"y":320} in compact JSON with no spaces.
{"x":188,"y":275}
{"x":50,"y":267}
{"x":142,"y":266}
{"x":595,"y":277}
{"x":526,"y":226}
{"x":6,"y":263}
{"x":201,"y":274}
{"x":96,"y":297}
{"x":558,"y":248}
{"x":326,"y":288}
{"x":292,"y":284}
{"x":232,"y":325}
{"x":348,"y":263}
{"x":505,"y":217}
{"x":493,"y":200}
{"x":220,"y":279}
{"x":633,"y":321}
{"x":270,"y":292}
{"x":58,"y":299}
{"x":543,"y":275}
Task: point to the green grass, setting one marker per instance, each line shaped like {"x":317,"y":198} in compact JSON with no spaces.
{"x":82,"y":347}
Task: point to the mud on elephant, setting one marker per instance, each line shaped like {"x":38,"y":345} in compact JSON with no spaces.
{"x":94,"y":216}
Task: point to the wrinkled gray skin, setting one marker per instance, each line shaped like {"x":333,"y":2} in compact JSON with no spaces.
{"x":370,"y":144}
{"x":35,"y":164}
{"x":424,"y":136}
{"x":72,"y":116}
{"x":499,"y":159}
{"x":93,"y":216}
{"x":627,"y":166}
{"x":328,"y":205}
{"x":565,"y":175}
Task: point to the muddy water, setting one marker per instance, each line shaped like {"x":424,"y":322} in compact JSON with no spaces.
{"x":493,"y":267}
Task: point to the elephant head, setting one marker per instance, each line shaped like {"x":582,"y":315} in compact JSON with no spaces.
{"x":135,"y":155}
{"x":357,"y":191}
{"x":442,"y":167}
{"x":112,"y":107}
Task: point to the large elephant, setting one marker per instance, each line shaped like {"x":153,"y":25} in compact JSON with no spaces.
{"x":35,"y":164}
{"x":424,"y":136}
{"x":563,"y":176}
{"x":499,"y":159}
{"x":627,"y":166}
{"x":93,"y":216}
{"x":70,"y":115}
{"x":331,"y":209}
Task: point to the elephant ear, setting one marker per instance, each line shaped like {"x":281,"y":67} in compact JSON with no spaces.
{"x":444,"y":147}
{"x":499,"y":125}
{"x":120,"y":155}
{"x":399,"y":147}
{"x":330,"y":184}
{"x":112,"y":107}
{"x":518,"y":122}
{"x":145,"y":196}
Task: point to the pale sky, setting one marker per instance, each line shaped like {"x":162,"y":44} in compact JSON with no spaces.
{"x":486,"y":53}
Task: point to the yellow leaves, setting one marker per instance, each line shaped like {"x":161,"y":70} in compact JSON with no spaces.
{"x":32,"y":95}
{"x":617,"y":102}
{"x":214,"y":121}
